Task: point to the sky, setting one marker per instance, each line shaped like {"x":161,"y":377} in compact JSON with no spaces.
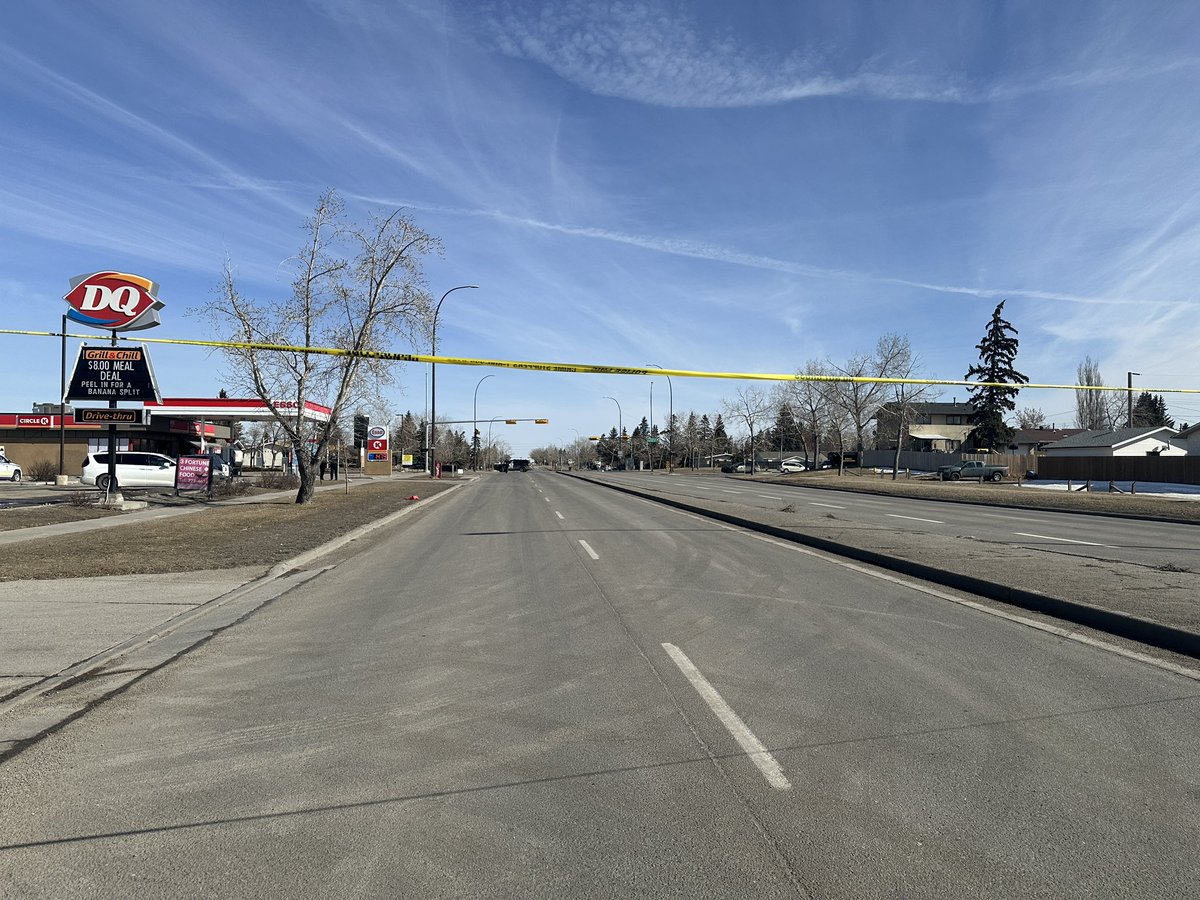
{"x":734,"y":187}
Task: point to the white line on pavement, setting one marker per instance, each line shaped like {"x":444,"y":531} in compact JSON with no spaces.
{"x":590,"y":552}
{"x":914,"y":518}
{"x":758,"y":754}
{"x":826,"y":505}
{"x":727,"y":491}
{"x":557,"y":513}
{"x":1046,"y":537}
{"x":547,"y":499}
{"x":768,"y":496}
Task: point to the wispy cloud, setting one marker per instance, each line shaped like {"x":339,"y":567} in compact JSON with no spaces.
{"x":658,"y":56}
{"x":719,"y":254}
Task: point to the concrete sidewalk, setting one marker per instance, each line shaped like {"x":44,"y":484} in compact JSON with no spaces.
{"x":48,"y":626}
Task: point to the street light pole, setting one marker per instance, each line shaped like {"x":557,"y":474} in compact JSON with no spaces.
{"x":433,"y":379}
{"x":620,"y":433}
{"x":475,"y":424}
{"x":575,"y":448}
{"x":1129,"y":397}
{"x":670,"y":417}
{"x":493,"y":419}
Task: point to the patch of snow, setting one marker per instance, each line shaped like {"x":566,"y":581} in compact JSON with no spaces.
{"x":1157,"y":489}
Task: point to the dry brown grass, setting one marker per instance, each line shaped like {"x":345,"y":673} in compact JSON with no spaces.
{"x":215,"y":536}
{"x":1003,"y":494}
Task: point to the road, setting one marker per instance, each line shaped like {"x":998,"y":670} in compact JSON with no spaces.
{"x":542,"y":688}
{"x":1098,"y":537}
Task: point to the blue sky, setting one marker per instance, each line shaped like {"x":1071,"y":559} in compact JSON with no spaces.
{"x":715,"y":186}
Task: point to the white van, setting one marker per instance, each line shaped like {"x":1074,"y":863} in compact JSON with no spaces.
{"x":134,"y":469}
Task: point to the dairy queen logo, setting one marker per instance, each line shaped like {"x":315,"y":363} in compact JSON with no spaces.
{"x":114,"y":300}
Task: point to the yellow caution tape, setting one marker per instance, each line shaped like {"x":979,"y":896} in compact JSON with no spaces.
{"x":586,"y":369}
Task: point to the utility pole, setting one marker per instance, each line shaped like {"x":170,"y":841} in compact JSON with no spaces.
{"x":1129,"y":398}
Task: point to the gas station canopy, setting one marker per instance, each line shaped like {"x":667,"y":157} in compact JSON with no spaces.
{"x":211,"y":409}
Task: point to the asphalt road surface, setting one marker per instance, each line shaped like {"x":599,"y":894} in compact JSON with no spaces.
{"x":1099,"y":537}
{"x":542,"y":688}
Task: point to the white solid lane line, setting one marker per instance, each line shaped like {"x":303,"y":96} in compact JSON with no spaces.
{"x":915,"y":519}
{"x":826,"y":505}
{"x":590,"y":552}
{"x":1046,"y":537}
{"x":557,"y":513}
{"x":758,"y":754}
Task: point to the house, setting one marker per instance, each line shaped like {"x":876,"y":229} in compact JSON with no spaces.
{"x":1027,"y":441}
{"x":1145,"y":441}
{"x":1189,"y":439}
{"x":934,"y":426}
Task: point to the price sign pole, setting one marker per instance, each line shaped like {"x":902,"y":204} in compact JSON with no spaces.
{"x":111,"y":301}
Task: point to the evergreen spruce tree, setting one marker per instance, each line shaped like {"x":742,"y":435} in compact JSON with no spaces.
{"x":720,"y":437}
{"x":997,"y":352}
{"x":1150,"y":410}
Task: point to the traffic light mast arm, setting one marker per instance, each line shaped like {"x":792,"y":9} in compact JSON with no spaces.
{"x":512,"y":421}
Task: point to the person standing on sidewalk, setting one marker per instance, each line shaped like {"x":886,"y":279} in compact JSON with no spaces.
{"x":324,"y":466}
{"x":333,"y":466}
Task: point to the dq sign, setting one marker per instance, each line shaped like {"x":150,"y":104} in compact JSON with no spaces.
{"x":114,"y":300}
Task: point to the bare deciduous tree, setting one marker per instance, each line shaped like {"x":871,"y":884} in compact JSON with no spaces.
{"x":749,"y":406}
{"x":902,"y":396}
{"x":358,"y":288}
{"x":1030,"y":417}
{"x":1095,"y":410}
{"x":811,"y":401}
{"x":861,"y":399}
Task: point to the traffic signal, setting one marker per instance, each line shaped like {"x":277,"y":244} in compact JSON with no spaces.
{"x":541,"y":421}
{"x":510,"y":421}
{"x":360,"y":431}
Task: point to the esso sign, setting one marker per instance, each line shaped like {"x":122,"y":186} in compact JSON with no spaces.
{"x":376,"y":432}
{"x":116,"y":301}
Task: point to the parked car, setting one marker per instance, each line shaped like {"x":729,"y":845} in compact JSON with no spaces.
{"x":134,"y":469}
{"x":791,"y":468}
{"x":9,"y":469}
{"x":972,"y":468}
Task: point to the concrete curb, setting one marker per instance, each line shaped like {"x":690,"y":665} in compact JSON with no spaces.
{"x":1166,"y":637}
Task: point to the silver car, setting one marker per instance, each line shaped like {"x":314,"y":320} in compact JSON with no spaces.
{"x":134,"y":469}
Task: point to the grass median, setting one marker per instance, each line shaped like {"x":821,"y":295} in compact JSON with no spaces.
{"x":215,"y":536}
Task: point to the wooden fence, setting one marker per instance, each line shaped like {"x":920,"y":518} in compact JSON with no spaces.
{"x":1167,"y":469}
{"x":917,"y":461}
